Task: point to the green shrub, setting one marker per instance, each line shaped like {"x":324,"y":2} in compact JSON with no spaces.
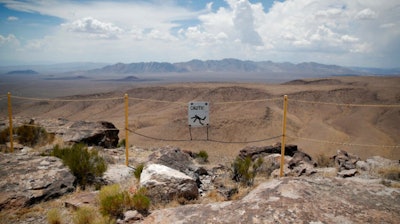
{"x":30,"y":135}
{"x":140,"y":201}
{"x":138,"y":171}
{"x":245,"y":170}
{"x":88,"y":215}
{"x":85,"y":165}
{"x":54,"y":216}
{"x":121,"y":143}
{"x":203,"y":155}
{"x":113,"y":201}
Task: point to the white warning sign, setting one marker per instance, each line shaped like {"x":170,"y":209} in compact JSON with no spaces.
{"x":198,"y":114}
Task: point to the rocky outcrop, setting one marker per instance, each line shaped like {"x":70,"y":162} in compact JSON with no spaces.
{"x":101,"y":133}
{"x":296,"y":200}
{"x":259,"y":151}
{"x":163,"y":183}
{"x":26,"y":179}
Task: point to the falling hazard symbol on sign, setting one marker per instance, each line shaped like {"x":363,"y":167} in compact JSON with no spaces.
{"x":198,"y":114}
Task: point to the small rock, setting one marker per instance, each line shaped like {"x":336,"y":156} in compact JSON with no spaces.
{"x":347,"y":173}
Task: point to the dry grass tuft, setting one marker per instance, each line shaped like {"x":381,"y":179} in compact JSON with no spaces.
{"x":390,"y":173}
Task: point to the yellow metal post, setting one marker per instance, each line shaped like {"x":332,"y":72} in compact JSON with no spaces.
{"x":285,"y":100}
{"x":126,"y":131}
{"x":10,"y":122}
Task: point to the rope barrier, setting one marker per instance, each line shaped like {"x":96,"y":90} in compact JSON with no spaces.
{"x":157,"y":101}
{"x":248,"y":101}
{"x":215,"y":103}
{"x":67,"y":100}
{"x":346,"y":104}
{"x":201,"y":140}
{"x":343,"y":143}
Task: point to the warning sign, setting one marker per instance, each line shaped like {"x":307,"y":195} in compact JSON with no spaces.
{"x":198,"y":114}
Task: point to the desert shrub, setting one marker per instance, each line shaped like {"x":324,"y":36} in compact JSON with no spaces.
{"x":113,"y":200}
{"x":85,"y":165}
{"x":245,"y":170}
{"x":88,"y":215}
{"x":203,"y":156}
{"x":54,"y":216}
{"x":121,"y":143}
{"x":30,"y":135}
{"x":138,"y":171}
{"x":4,"y":135}
{"x":391,"y":172}
{"x":324,"y":161}
{"x":140,"y":201}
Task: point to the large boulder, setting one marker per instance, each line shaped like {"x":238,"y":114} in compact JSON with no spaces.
{"x":27,"y":179}
{"x":164,"y":184}
{"x":296,"y":200}
{"x":101,"y":133}
{"x":259,"y":151}
{"x":174,"y":158}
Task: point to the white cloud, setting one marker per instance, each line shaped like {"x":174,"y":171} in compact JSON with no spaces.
{"x":93,"y":27}
{"x":366,"y":14}
{"x":9,"y":40}
{"x":12,"y":18}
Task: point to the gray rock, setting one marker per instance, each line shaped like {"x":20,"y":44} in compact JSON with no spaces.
{"x":131,"y":216}
{"x":163,"y":183}
{"x":101,"y":133}
{"x":296,"y":200}
{"x":347,"y":173}
{"x":28,"y":179}
{"x":117,"y":173}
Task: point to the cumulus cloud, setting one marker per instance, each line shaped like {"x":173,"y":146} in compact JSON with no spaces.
{"x":94,"y":27}
{"x":366,"y":14}
{"x":10,"y":40}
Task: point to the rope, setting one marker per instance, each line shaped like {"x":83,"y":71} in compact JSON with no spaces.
{"x":343,"y":143}
{"x":248,"y":101}
{"x":347,"y":104}
{"x":157,"y":101}
{"x":67,"y":100}
{"x":200,"y":140}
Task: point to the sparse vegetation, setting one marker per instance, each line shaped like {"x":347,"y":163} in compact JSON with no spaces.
{"x":202,"y":156}
{"x":245,"y":170}
{"x":89,"y":215}
{"x":390,"y":173}
{"x":324,"y":161}
{"x":121,"y":143}
{"x":54,"y":216}
{"x":138,"y":171}
{"x":27,"y":134}
{"x":85,"y":165}
{"x":114,"y":201}
{"x":140,"y":201}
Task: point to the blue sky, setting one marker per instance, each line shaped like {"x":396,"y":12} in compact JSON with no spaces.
{"x":344,"y":32}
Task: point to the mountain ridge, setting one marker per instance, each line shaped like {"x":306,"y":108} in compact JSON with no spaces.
{"x":227,"y":65}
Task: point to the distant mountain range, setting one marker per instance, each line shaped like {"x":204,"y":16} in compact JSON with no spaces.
{"x":225,"y":66}
{"x":229,"y":65}
{"x":22,"y":72}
